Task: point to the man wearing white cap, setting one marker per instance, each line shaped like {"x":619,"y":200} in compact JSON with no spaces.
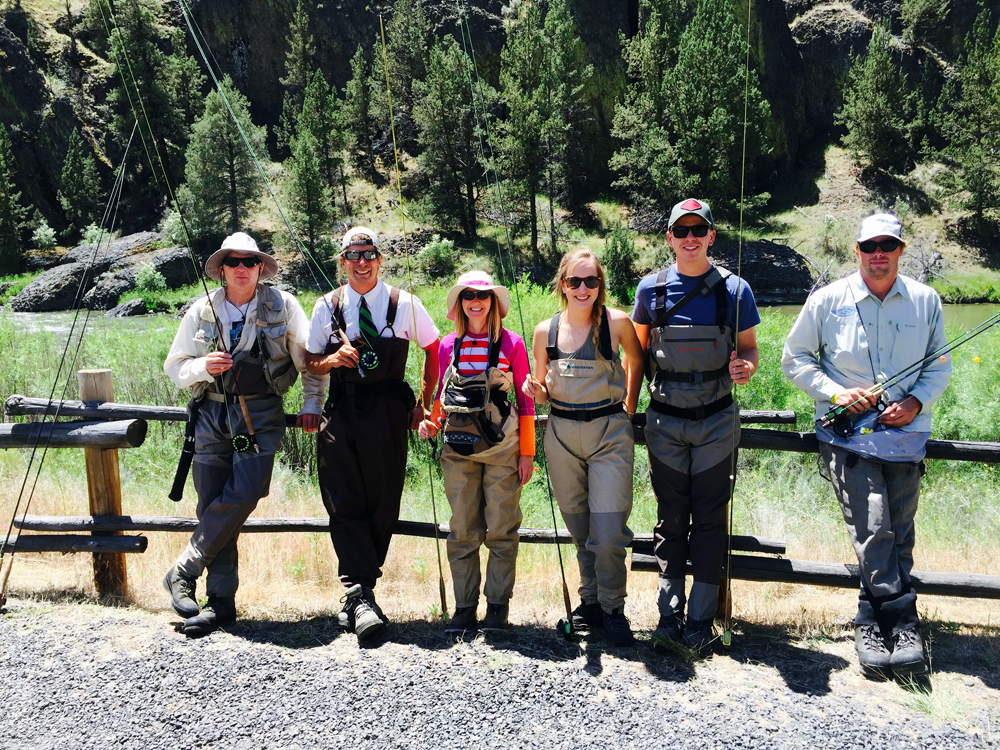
{"x":359,"y":339}
{"x":852,"y":335}
{"x":239,"y":350}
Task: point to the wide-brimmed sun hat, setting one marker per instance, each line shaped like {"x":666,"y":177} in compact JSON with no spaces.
{"x":480,"y":281}
{"x":240,"y":242}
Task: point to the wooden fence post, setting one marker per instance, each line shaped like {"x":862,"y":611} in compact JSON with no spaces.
{"x":105,"y":489}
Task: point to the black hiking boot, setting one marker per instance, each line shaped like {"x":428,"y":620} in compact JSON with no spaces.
{"x":617,"y":629}
{"x":464,"y":620}
{"x":218,"y":613}
{"x":670,"y":629}
{"x":873,"y":654}
{"x":182,"y":593}
{"x":369,"y":595}
{"x":587,"y":616}
{"x":360,"y":615}
{"x":698,"y":635}
{"x":908,"y":658}
{"x":496,"y":618}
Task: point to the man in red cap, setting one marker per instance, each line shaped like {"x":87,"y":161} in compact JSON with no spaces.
{"x":697,"y":325}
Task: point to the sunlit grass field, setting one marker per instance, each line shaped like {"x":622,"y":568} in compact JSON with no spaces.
{"x":778,"y":495}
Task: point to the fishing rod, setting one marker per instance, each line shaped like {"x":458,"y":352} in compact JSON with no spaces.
{"x":837,"y":419}
{"x":565,"y":624}
{"x":442,"y":592}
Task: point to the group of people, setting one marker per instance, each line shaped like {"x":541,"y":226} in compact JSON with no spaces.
{"x":691,"y":335}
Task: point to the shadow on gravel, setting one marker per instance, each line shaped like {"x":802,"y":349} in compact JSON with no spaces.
{"x":970,"y":650}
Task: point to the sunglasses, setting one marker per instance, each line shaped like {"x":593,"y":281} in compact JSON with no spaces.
{"x":573,"y":282}
{"x":699,"y":230}
{"x":886,"y":246}
{"x":468,"y":295}
{"x":231,"y":262}
{"x":358,"y":254}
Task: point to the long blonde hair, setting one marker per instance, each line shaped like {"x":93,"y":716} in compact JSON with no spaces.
{"x":494,"y":323}
{"x":568,"y":261}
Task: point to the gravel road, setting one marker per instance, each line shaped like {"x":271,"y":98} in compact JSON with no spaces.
{"x":76,"y":675}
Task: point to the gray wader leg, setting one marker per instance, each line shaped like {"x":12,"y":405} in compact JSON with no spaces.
{"x":229,"y":486}
{"x":485,"y":509}
{"x":689,"y":465}
{"x":879,"y":503}
{"x":591,"y":466}
{"x":361,"y":457}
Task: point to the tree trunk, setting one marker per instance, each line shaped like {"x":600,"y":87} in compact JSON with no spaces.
{"x":552,"y":216}
{"x":533,"y":213}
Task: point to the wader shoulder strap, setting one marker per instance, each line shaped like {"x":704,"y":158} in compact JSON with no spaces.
{"x":337,"y":312}
{"x":494,"y":359}
{"x":604,"y":343}
{"x":455,"y":352}
{"x":703,"y":287}
{"x":390,"y":313}
{"x":552,"y":350}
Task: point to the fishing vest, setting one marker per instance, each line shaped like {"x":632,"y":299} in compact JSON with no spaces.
{"x":479,"y":414}
{"x":688,"y":365}
{"x":267,"y":367}
{"x":387,"y":378}
{"x":588,"y":383}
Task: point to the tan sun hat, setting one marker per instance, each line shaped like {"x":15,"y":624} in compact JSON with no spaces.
{"x":241,"y":242}
{"x":480,"y":281}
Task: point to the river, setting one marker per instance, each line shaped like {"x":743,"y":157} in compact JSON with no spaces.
{"x":961,"y":317}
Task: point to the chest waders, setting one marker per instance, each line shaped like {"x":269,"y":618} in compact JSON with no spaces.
{"x":589,"y":451}
{"x":480,"y":468}
{"x":690,"y":439}
{"x":362,"y":447}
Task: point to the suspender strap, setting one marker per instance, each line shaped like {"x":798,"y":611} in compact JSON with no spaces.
{"x":703,"y":287}
{"x":695,"y":414}
{"x":604,"y":343}
{"x":390,"y":314}
{"x":721,"y":303}
{"x":552,"y":350}
{"x":660,"y":290}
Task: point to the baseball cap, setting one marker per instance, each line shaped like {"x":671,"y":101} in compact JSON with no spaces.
{"x":359,"y":236}
{"x":691,"y":206}
{"x":880,"y":225}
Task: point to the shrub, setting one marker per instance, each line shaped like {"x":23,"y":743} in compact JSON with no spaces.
{"x":619,"y":262}
{"x":44,"y":236}
{"x":148,"y":279}
{"x":93,"y":234}
{"x":438,"y":258}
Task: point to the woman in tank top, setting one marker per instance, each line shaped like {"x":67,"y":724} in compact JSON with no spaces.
{"x":588,"y":444}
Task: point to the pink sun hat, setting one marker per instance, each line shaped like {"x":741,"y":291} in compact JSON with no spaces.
{"x":480,"y":281}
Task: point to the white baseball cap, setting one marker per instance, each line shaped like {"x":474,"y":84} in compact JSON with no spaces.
{"x":359,"y":236}
{"x":880,"y":225}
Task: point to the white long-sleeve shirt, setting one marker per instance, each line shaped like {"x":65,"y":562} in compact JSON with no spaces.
{"x":185,"y":363}
{"x":846,"y":338}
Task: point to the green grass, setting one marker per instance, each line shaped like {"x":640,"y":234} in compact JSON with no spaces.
{"x":20,"y":281}
{"x":980,"y":285}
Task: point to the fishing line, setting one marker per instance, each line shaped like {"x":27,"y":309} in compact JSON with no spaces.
{"x":727,"y":603}
{"x":114,"y":198}
{"x":565,"y":625}
{"x":413,"y":310}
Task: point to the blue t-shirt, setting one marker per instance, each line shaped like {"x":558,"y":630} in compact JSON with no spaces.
{"x":700,"y":310}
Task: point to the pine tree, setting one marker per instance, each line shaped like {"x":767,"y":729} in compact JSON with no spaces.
{"x":310,"y":198}
{"x":223,"y":184}
{"x":639,"y":120}
{"x":12,"y":213}
{"x":298,"y":67}
{"x":875,"y":106}
{"x":80,"y":188}
{"x":706,"y":94}
{"x":447,"y":133}
{"x":923,"y":20}
{"x":184,"y":81}
{"x":521,"y":133}
{"x":321,"y":116}
{"x":971,"y":125}
{"x":358,"y":125}
{"x":564,"y":74}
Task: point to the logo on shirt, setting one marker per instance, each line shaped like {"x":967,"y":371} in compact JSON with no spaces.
{"x":844,"y":312}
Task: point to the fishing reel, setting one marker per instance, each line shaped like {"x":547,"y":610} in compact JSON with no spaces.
{"x":368,"y":359}
{"x":244,"y":443}
{"x":565,"y":628}
{"x":844,"y":427}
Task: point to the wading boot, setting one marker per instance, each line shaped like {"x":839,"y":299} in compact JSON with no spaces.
{"x":181,"y":590}
{"x":617,"y":629}
{"x":670,"y":628}
{"x":587,"y":616}
{"x":464,"y":620}
{"x":873,"y":654}
{"x":908,"y":654}
{"x":698,"y":635}
{"x":218,"y":613}
{"x":496,"y":618}
{"x":369,"y":595}
{"x":359,"y":615}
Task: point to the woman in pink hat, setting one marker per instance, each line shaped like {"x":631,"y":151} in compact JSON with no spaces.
{"x":489,"y":446}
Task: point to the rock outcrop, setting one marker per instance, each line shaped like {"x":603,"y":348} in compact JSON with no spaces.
{"x":127,"y":309}
{"x":776,"y":273}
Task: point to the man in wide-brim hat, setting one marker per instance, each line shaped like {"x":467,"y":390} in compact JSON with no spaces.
{"x":244,"y":342}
